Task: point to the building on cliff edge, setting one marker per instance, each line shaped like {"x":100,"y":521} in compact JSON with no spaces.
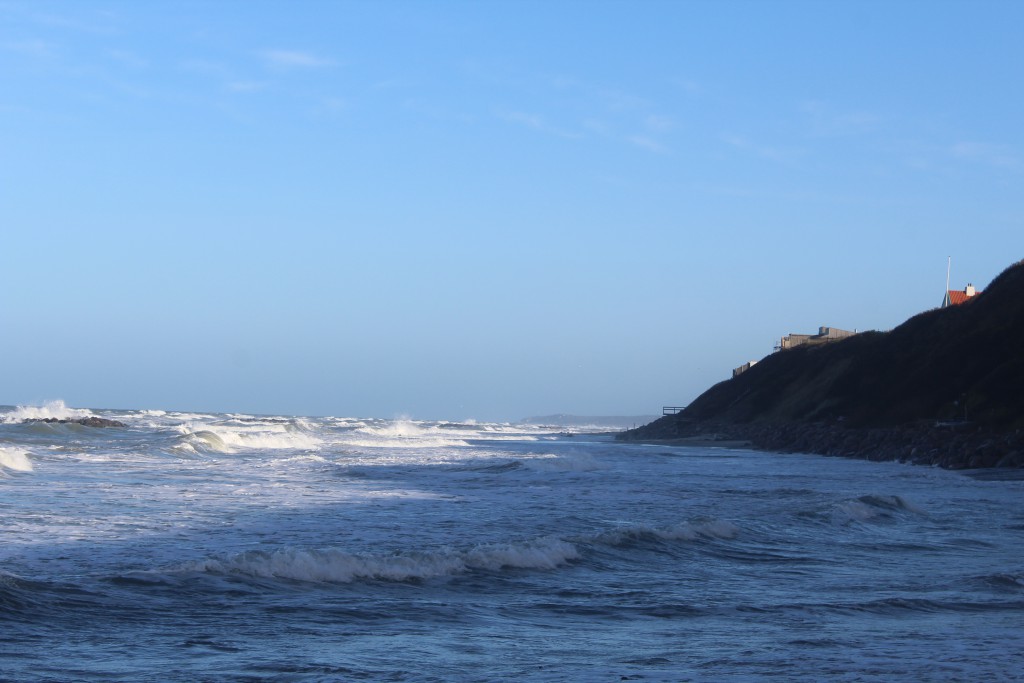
{"x":955,"y":297}
{"x":743,"y":368}
{"x":825,"y":335}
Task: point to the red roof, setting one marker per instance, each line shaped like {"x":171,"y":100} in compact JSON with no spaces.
{"x":957,"y":297}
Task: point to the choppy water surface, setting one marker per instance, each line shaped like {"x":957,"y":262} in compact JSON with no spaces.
{"x":234,"y":547}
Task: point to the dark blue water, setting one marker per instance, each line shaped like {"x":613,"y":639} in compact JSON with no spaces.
{"x":215,"y":547}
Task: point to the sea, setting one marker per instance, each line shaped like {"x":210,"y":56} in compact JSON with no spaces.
{"x":231,"y":547}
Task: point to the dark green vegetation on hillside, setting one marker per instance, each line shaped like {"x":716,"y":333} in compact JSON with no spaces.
{"x":962,"y":363}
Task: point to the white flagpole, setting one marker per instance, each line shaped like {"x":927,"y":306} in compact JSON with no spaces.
{"x":949,"y":263}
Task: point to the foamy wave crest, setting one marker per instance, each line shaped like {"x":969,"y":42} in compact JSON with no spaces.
{"x":190,"y":416}
{"x":53,"y":409}
{"x":395,"y":429}
{"x":684,"y":531}
{"x":14,"y":459}
{"x":545,"y":553}
{"x":202,"y":441}
{"x":403,"y":434}
{"x":333,"y":565}
{"x":402,"y":443}
{"x":231,"y":438}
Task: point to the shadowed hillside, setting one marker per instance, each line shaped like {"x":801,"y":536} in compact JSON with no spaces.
{"x":961,"y":363}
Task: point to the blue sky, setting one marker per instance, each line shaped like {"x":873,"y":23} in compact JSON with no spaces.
{"x":484,"y":210}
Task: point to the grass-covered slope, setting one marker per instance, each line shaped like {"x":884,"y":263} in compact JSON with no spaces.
{"x":951,"y":363}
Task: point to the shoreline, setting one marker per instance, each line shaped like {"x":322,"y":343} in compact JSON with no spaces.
{"x":698,"y":442}
{"x":955,"y":445}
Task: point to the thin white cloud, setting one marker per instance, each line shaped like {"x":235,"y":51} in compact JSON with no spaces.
{"x":597,"y":126}
{"x":993,"y":155}
{"x":247,"y":86}
{"x":289,"y":59}
{"x":950,"y":159}
{"x":735,"y":141}
{"x":919,"y":163}
{"x":392,"y":84}
{"x":128,"y":59}
{"x":537,"y":123}
{"x":856,"y":120}
{"x":207,"y":68}
{"x":617,"y":100}
{"x":648,"y":143}
{"x":826,"y":122}
{"x":14,"y":109}
{"x":38,"y":49}
{"x":688,"y":86}
{"x":435,"y":111}
{"x":658,"y":123}
{"x":765,"y":151}
{"x":99,"y":23}
{"x":529,"y":120}
{"x":332,"y":105}
{"x":222,"y":72}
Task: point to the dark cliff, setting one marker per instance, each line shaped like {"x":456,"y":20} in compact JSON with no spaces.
{"x":963,"y":363}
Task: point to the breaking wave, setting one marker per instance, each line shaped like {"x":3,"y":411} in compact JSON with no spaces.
{"x":222,"y":438}
{"x":53,"y":409}
{"x":332,"y":565}
{"x":403,"y":434}
{"x":14,"y":459}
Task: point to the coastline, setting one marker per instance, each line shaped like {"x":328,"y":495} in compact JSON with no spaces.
{"x":711,"y":441}
{"x":951,"y":445}
{"x":902,"y":395}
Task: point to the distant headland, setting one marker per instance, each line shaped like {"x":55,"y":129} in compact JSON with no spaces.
{"x":610,"y":422}
{"x":944,"y":388}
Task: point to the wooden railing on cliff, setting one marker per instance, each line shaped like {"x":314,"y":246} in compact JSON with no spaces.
{"x":672,"y":410}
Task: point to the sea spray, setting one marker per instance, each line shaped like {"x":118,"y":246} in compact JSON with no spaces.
{"x":55,"y":410}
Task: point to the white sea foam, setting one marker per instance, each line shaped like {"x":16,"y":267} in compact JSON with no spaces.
{"x":332,"y":565}
{"x":395,"y":429}
{"x":14,"y":459}
{"x":403,"y":434}
{"x":52,"y":409}
{"x":423,"y":443}
{"x":494,"y":436}
{"x":231,"y":438}
{"x":544,"y":553}
{"x":191,"y":416}
{"x":201,"y":441}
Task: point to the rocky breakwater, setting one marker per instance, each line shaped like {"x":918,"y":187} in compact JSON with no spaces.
{"x":947,"y":445}
{"x":944,"y":388}
{"x":951,"y":445}
{"x":91,"y":421}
